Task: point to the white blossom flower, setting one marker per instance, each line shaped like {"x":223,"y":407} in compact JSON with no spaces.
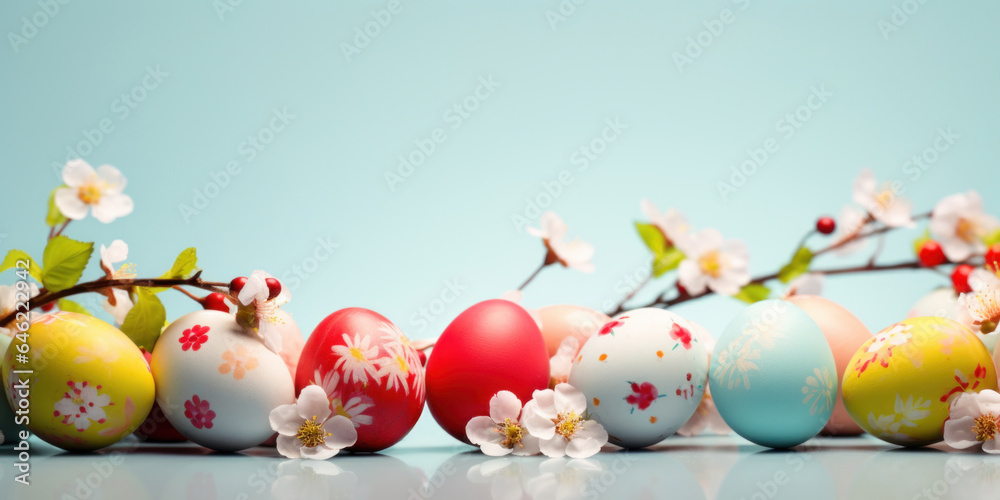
{"x":81,"y":405}
{"x":722,"y":266}
{"x":556,"y":418}
{"x":973,"y":420}
{"x":959,"y":224}
{"x":120,"y":302}
{"x":357,"y":357}
{"x":806,"y":284}
{"x":881,"y":201}
{"x":395,"y":367}
{"x":672,"y":224}
{"x":99,"y":191}
{"x":309,"y":429}
{"x":502,"y":432}
{"x":8,"y":303}
{"x":849,"y":225}
{"x":254,"y":295}
{"x":980,"y":309}
{"x":574,"y":254}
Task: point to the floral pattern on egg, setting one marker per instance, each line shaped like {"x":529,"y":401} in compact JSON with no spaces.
{"x":643,"y":374}
{"x":902,"y":382}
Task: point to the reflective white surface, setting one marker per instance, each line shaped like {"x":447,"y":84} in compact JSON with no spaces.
{"x":696,"y":468}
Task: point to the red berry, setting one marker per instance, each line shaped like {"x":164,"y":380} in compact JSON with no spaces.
{"x":993,"y":258}
{"x":236,"y":285}
{"x":215,"y":301}
{"x":680,"y":288}
{"x":273,"y":288}
{"x":48,"y":307}
{"x":960,"y":278}
{"x":931,"y":254}
{"x":826,"y":225}
{"x":422,"y":357}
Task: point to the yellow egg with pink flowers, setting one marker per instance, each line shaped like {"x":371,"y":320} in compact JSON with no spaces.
{"x":78,"y":382}
{"x":900,"y":383}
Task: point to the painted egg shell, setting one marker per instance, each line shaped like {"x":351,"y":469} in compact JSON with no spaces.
{"x":561,"y":321}
{"x":773,"y":377}
{"x":492,"y":346}
{"x":900,"y":384}
{"x":370,"y":372}
{"x":91,"y":386}
{"x":643,"y":374}
{"x":292,"y":341}
{"x":943,"y":303}
{"x":845,"y":333}
{"x":217,"y":383}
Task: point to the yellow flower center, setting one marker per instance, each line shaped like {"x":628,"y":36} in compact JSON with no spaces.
{"x":512,"y":433}
{"x":403,"y":365}
{"x":710,"y":263}
{"x":311,"y":433}
{"x":89,"y":193}
{"x":567,"y":424}
{"x":967,"y":230}
{"x":884,"y":198}
{"x":358,"y":355}
{"x":985,"y":427}
{"x":126,"y":272}
{"x":78,"y":401}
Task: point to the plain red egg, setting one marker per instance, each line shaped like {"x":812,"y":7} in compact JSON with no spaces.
{"x":492,"y":346}
{"x":370,"y":372}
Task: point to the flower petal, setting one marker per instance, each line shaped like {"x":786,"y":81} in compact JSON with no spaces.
{"x":529,"y":446}
{"x":112,"y":177}
{"x":312,"y":403}
{"x":480,"y":430}
{"x":538,"y":423}
{"x":289,"y":446}
{"x":318,"y":452}
{"x":958,"y":432}
{"x":69,"y":204}
{"x":555,"y":447}
{"x":285,"y":420}
{"x":569,"y":398}
{"x":494,"y":449}
{"x":112,"y":206}
{"x":342,"y":432}
{"x":582,"y":448}
{"x":505,"y":405}
{"x":117,"y":252}
{"x":76,"y":173}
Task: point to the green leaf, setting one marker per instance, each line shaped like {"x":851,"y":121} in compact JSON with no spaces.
{"x":184,"y":266}
{"x":64,"y":261}
{"x":798,"y":265}
{"x":54,"y":217}
{"x":667,"y":261}
{"x":145,"y":320}
{"x":992,"y":238}
{"x":70,"y":306}
{"x":754,"y":292}
{"x":10,"y":261}
{"x":919,"y":242}
{"x":652,"y":236}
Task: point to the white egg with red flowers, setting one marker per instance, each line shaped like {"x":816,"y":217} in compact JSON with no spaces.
{"x":217,"y":383}
{"x":644,"y":374}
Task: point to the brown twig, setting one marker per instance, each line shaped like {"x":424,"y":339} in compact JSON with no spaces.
{"x":103,"y":283}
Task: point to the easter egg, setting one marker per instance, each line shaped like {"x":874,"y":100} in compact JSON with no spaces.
{"x":492,"y":346}
{"x":844,"y":333}
{"x":8,"y":427}
{"x":900,"y":383}
{"x":370,"y":372}
{"x":643,"y":374}
{"x":773,"y":376}
{"x":89,"y":385}
{"x":942,"y":302}
{"x":217,"y":383}
{"x":565,"y":320}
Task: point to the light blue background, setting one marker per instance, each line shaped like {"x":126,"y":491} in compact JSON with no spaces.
{"x":323,"y":175}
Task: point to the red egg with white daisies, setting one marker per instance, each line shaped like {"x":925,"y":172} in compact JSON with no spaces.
{"x":370,"y":372}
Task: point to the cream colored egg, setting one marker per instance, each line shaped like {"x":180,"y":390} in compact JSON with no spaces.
{"x":217,"y":383}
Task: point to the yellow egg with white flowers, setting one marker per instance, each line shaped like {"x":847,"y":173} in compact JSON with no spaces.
{"x":900,"y":383}
{"x":81,"y":383}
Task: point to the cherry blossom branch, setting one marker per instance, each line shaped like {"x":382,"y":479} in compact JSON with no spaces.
{"x":104,"y":283}
{"x":547,"y":262}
